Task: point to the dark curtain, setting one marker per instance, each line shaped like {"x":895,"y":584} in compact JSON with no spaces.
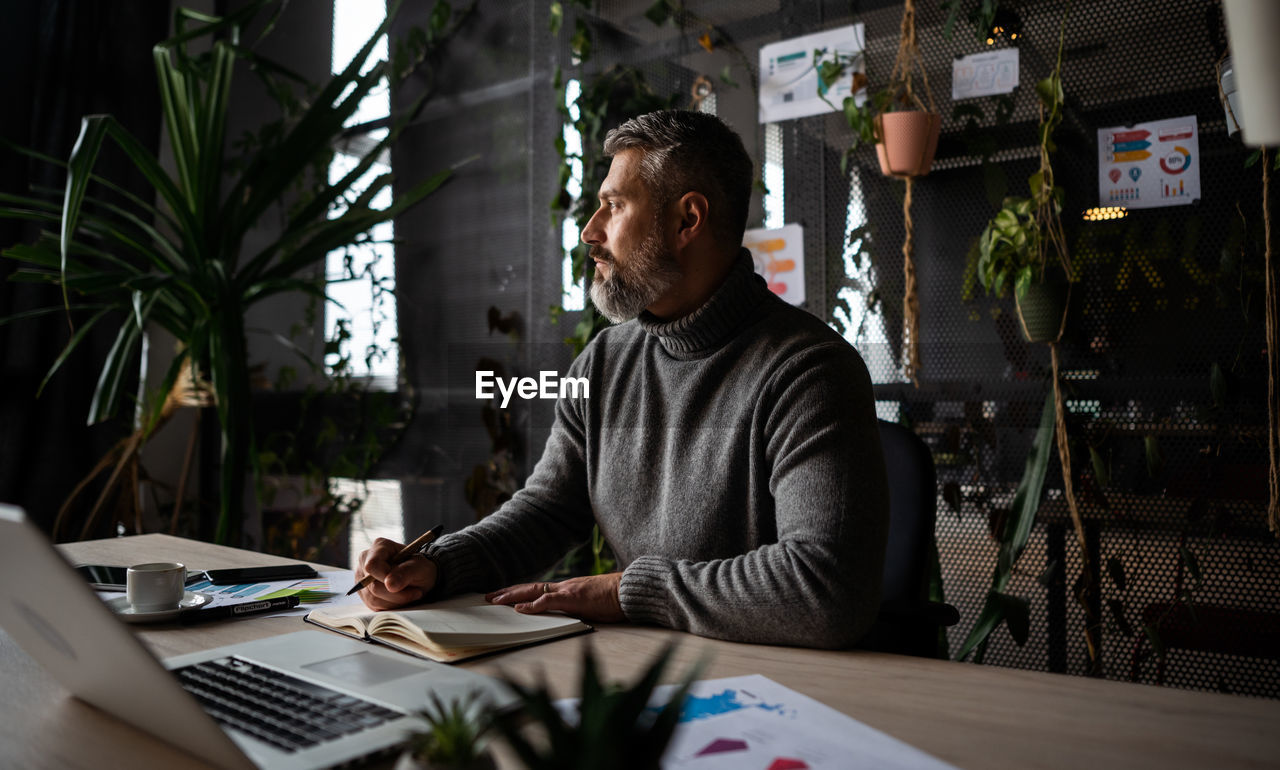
{"x":62,"y":59}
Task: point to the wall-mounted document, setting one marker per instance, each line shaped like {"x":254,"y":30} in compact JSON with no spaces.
{"x":984,"y":74}
{"x":779,"y":257}
{"x":1152,"y":164}
{"x":789,"y":81}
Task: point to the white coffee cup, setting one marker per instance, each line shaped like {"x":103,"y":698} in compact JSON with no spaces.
{"x":155,"y":586}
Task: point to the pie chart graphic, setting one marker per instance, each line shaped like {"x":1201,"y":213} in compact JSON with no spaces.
{"x":1177,"y":161}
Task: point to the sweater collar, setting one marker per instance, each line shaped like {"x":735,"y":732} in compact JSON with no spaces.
{"x":706,"y":328}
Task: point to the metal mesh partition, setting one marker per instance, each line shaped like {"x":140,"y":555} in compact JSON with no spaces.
{"x":1162,"y":298}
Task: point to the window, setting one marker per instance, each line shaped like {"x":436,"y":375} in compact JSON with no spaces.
{"x":572,"y":297}
{"x":361,"y":278}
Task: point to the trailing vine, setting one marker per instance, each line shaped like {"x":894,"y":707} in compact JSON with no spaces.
{"x":1016,"y":246}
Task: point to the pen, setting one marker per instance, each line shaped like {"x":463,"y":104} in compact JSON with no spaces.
{"x":238,"y":610}
{"x":409,"y":550}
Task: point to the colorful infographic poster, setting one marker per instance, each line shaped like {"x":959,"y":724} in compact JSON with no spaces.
{"x":1149,"y":164}
{"x":779,"y":257}
{"x":789,"y":86}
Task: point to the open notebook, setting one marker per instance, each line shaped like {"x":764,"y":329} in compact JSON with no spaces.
{"x":449,"y":630}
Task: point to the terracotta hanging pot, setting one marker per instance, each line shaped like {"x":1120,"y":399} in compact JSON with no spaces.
{"x":909,"y":140}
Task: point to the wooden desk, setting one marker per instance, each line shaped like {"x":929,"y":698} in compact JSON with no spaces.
{"x":973,"y":716}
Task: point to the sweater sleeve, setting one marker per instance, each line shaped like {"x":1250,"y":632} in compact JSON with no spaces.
{"x":537,"y":526}
{"x":818,"y":585}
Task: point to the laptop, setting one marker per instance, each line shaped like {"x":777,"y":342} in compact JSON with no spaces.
{"x":301,"y":700}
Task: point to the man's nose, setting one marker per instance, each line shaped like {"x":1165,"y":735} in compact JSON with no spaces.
{"x":592,"y":234}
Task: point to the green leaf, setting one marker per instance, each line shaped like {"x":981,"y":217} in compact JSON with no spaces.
{"x":989,"y":618}
{"x":1050,"y":91}
{"x":1192,"y":564}
{"x":952,"y":7}
{"x":580,"y":43}
{"x":555,"y":21}
{"x":1026,"y":499}
{"x":441,"y":12}
{"x":83,"y":156}
{"x":1155,"y":461}
{"x":1253,"y":158}
{"x":1117,"y":611}
{"x":1115,"y":568}
{"x":1017,"y":616}
{"x":659,"y":13}
{"x":71,"y":345}
{"x":1023,"y":281}
{"x":1049,"y":573}
{"x":1101,"y":473}
{"x":1035,"y":183}
{"x":1218,"y":385}
{"x":726,"y":78}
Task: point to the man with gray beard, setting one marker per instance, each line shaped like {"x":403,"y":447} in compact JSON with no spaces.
{"x":729,"y":452}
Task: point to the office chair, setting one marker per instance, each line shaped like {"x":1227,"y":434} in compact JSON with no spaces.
{"x":908,"y":622}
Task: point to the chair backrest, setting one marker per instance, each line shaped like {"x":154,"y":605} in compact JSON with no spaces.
{"x":912,"y":510}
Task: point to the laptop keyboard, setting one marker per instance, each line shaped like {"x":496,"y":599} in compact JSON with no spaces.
{"x":282,"y":710}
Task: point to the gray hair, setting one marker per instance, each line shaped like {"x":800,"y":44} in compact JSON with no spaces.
{"x":684,"y":151}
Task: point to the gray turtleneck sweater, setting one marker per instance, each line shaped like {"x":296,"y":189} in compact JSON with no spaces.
{"x":732,"y":461}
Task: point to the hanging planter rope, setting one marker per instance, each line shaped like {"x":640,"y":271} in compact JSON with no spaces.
{"x":907,"y":60}
{"x":1271,"y":320}
{"x":1273,"y":354}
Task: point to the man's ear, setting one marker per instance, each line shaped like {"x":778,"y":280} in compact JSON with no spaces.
{"x":692,"y":209}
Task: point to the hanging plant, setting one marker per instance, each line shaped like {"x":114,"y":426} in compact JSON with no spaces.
{"x":906,"y":141}
{"x":1020,"y":247}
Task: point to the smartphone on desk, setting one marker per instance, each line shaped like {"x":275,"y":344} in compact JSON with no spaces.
{"x":109,"y":577}
{"x":228,"y":577}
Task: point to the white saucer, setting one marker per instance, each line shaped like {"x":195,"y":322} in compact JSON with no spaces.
{"x":190,"y":601}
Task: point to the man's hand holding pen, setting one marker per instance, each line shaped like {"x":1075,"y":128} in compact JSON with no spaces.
{"x":393,"y":585}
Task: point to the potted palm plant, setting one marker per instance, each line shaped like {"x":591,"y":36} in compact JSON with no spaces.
{"x":454,"y":739}
{"x":616,"y":726}
{"x":183,"y":262}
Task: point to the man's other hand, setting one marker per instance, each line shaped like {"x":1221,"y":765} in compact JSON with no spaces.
{"x":593,"y":598}
{"x":405,"y":583}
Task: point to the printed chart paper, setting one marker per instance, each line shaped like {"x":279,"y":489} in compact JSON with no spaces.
{"x":984,"y":74}
{"x":779,"y":257}
{"x":789,"y":81}
{"x":326,"y":589}
{"x":1148,"y":165}
{"x":754,"y":722}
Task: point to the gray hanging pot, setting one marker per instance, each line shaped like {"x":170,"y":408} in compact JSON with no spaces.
{"x":1041,"y":310}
